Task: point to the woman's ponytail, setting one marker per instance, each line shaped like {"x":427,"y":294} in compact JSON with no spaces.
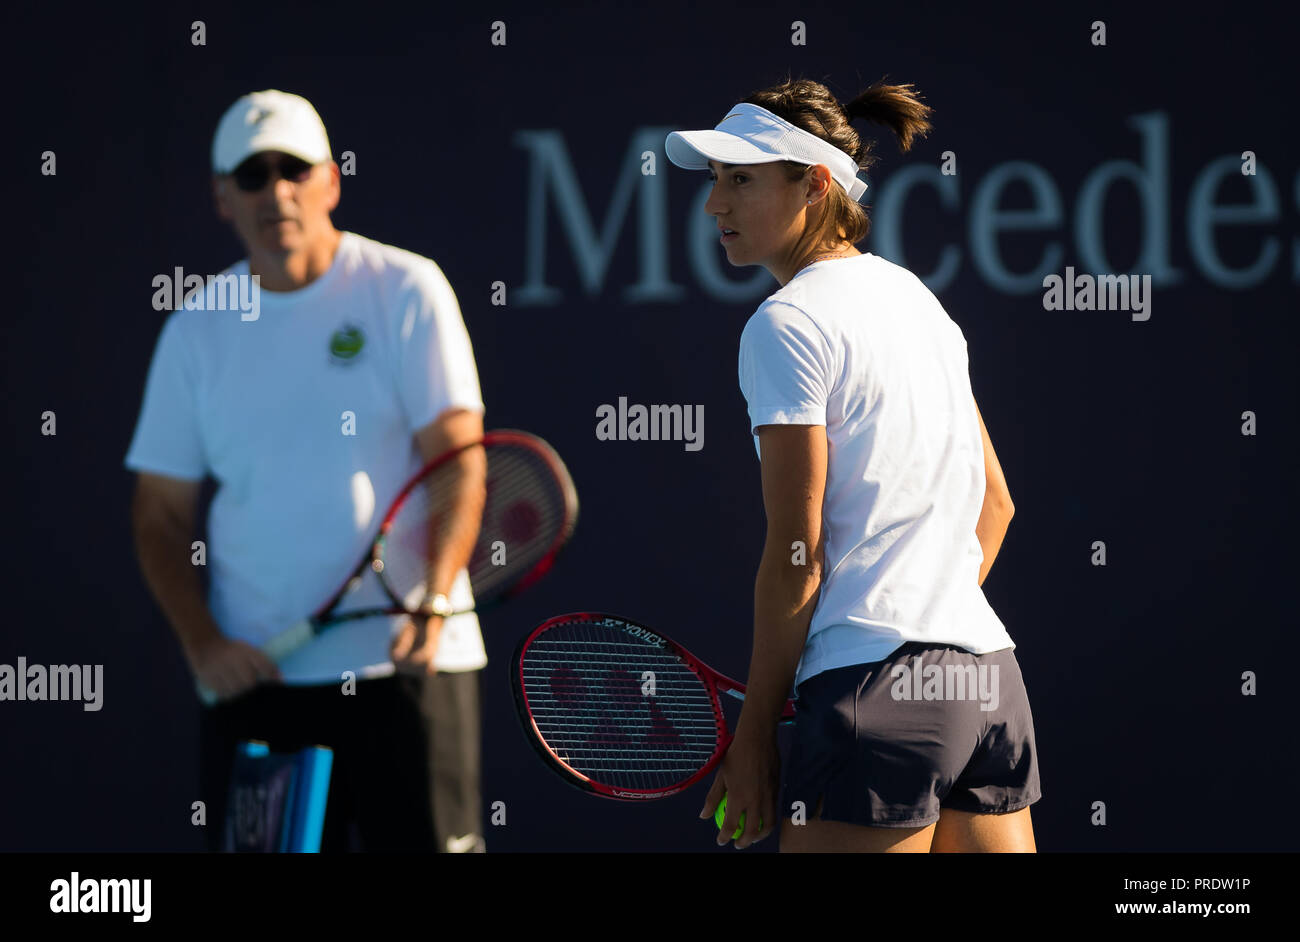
{"x":811,"y":106}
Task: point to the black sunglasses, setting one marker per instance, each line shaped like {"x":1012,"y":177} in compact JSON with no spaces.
{"x":253,"y":173}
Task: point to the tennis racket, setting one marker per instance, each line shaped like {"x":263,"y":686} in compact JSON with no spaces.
{"x":618,"y":710}
{"x":529,"y":513}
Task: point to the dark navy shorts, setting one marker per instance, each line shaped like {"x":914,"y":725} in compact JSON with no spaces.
{"x":887,"y":744}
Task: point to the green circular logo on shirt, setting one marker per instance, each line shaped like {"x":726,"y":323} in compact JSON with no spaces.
{"x":346,"y":343}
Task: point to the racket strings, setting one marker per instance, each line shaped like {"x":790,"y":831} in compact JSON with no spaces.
{"x":524,"y":515}
{"x":618,"y":710}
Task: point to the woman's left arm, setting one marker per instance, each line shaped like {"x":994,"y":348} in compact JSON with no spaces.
{"x":785,"y":594}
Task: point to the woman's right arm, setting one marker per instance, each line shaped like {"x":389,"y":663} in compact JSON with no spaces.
{"x":995,"y":515}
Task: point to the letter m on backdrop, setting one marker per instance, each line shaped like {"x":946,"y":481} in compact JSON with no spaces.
{"x":553,"y":182}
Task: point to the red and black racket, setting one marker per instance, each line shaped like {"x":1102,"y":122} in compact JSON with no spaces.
{"x":619,"y":710}
{"x":529,"y":513}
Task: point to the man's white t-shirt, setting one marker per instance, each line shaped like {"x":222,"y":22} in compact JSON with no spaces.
{"x":863,"y":347}
{"x":306,"y":418}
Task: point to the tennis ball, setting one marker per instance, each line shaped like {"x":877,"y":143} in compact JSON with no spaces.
{"x":721,"y":815}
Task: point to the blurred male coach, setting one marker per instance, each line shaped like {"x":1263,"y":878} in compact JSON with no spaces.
{"x":354,"y":369}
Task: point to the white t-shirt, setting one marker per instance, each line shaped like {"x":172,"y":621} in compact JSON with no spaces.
{"x":861,"y":346}
{"x":265,"y":407}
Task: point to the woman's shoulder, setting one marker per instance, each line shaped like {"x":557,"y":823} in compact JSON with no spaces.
{"x":780,"y":322}
{"x":840,"y":289}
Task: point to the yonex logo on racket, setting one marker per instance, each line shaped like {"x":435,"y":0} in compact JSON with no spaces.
{"x":637,"y":632}
{"x":574,"y":681}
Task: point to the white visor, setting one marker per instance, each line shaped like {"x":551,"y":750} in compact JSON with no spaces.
{"x":750,"y":134}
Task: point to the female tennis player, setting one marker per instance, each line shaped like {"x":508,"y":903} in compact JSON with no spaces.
{"x":885,"y":507}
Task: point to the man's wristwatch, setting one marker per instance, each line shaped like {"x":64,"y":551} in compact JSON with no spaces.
{"x":437,"y":604}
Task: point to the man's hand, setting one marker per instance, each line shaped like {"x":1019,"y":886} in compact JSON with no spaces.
{"x":416,"y":644}
{"x":229,"y":668}
{"x":749,"y":775}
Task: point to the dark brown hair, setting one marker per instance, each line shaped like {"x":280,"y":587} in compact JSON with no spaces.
{"x":811,"y":106}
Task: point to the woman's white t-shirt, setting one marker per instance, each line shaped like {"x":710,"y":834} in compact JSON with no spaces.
{"x":863,"y":347}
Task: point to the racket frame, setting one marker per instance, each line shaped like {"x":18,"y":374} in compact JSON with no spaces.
{"x":714,"y":682}
{"x":374,"y":559}
{"x":301,"y":633}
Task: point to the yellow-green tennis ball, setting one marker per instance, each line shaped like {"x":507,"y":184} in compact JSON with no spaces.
{"x":721,"y":814}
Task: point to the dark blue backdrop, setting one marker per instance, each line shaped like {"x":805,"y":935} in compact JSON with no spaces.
{"x":1108,"y":429}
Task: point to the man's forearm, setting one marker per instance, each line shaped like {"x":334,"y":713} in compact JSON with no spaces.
{"x":163,"y":549}
{"x":785,"y":595}
{"x":460,"y":501}
{"x":991,"y":529}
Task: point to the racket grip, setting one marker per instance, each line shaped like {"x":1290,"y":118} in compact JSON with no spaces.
{"x":286,"y":642}
{"x":283,"y":644}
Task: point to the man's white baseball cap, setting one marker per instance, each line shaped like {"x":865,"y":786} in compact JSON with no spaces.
{"x":751,"y":134}
{"x":269,"y":120}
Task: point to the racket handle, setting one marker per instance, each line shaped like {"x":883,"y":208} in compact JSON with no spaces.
{"x":286,"y":642}
{"x":279,"y":647}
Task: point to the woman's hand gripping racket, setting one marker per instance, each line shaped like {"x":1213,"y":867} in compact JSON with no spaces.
{"x":618,"y":710}
{"x":529,"y":513}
